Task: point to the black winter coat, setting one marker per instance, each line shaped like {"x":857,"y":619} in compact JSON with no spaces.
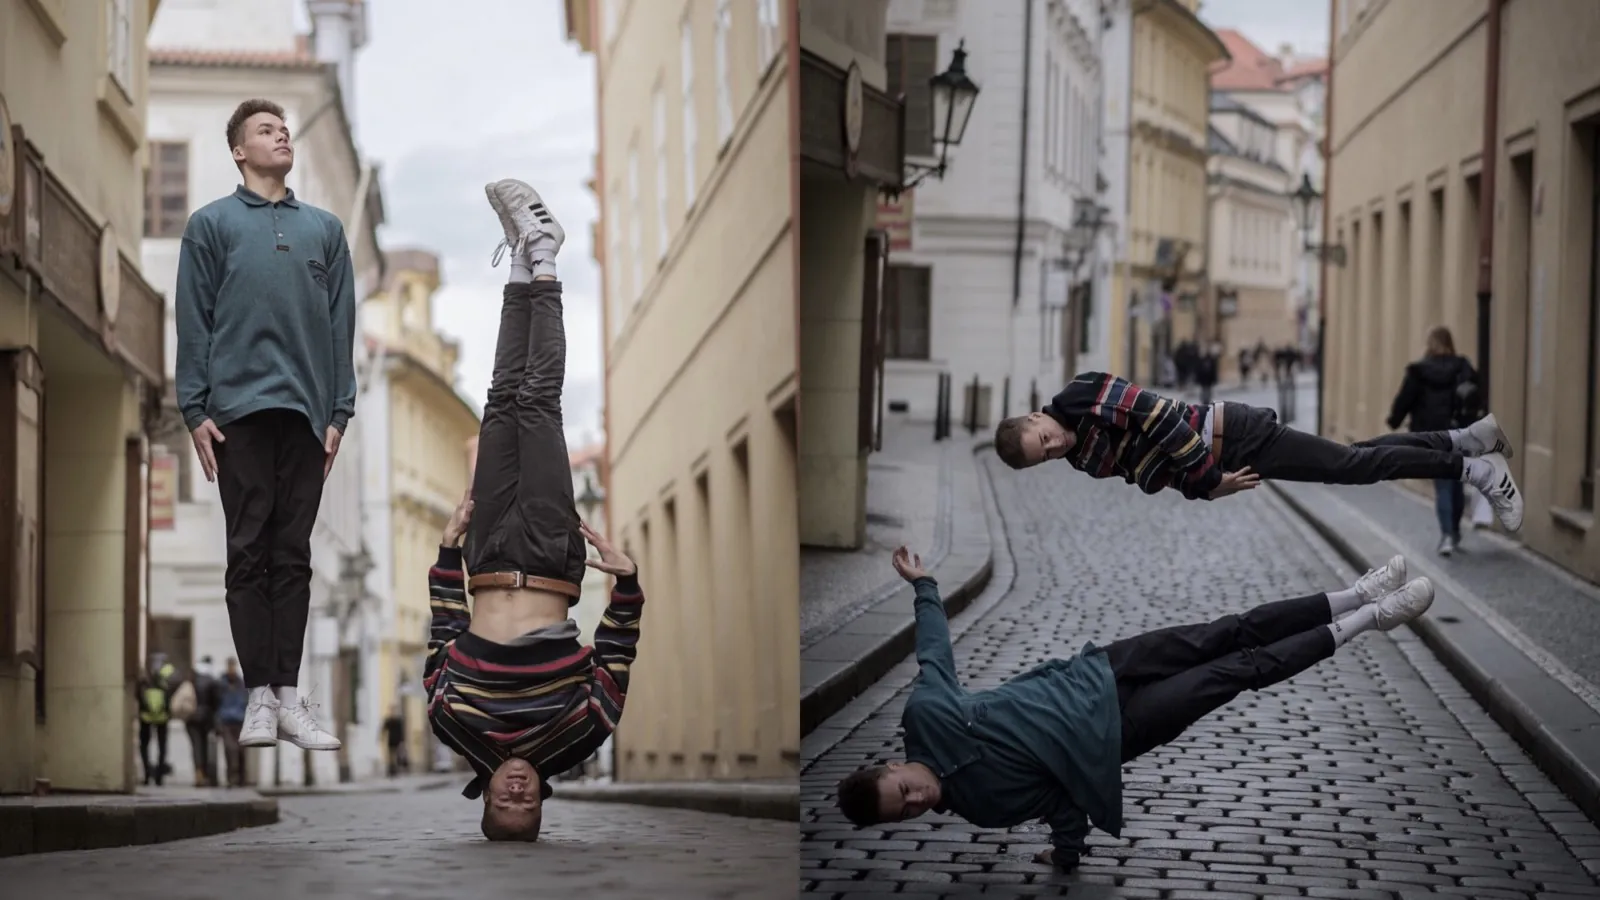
{"x":1428,"y":395}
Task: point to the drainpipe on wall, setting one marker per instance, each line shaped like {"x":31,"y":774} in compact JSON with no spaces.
{"x":1022,"y":177}
{"x":1325,"y":148}
{"x":1486,"y":199}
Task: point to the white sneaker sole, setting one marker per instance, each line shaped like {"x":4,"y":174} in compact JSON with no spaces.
{"x":521,"y":192}
{"x":258,"y":740}
{"x":332,"y":744}
{"x":1500,"y":443}
{"x":1415,"y":604}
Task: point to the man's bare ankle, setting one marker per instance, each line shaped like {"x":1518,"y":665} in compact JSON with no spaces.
{"x":544,"y":278}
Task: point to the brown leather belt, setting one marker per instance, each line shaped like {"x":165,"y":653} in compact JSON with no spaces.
{"x":1216,"y":431}
{"x":522,"y":581}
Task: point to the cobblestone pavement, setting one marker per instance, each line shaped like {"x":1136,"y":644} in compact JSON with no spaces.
{"x":426,"y":844}
{"x":1373,"y":775}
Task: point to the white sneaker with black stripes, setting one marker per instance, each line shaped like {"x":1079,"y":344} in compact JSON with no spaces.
{"x":524,"y":217}
{"x":1501,"y":489}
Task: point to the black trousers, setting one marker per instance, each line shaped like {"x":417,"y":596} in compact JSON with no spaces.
{"x":1171,"y":678}
{"x":269,"y":474}
{"x":146,"y":730}
{"x":523,"y":518}
{"x":201,"y":749}
{"x":1252,"y":436}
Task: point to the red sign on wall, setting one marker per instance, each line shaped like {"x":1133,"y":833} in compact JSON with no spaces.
{"x":163,"y":490}
{"x":894,"y":217}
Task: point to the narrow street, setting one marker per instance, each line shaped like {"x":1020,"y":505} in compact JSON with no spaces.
{"x":427,"y":845}
{"x":1374,"y":775}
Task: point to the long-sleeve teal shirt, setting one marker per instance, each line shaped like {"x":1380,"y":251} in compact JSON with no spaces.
{"x":1044,"y":745}
{"x":266,"y":313}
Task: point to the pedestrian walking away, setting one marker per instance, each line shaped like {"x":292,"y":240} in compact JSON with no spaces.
{"x":265,"y":308}
{"x":1440,"y":391}
{"x":1050,"y":743}
{"x":233,"y":698}
{"x":1105,"y":426}
{"x":200,"y":722}
{"x":509,"y":685}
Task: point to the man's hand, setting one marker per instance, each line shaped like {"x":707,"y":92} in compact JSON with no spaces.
{"x":908,"y":564}
{"x":330,"y":449}
{"x":456,"y":528}
{"x":1234,"y":482}
{"x":612,"y":561}
{"x":206,"y":435}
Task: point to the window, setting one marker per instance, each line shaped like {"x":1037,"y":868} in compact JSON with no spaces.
{"x":907,"y":295}
{"x":166,"y":190}
{"x":635,"y":215}
{"x":724,"y":77}
{"x":766,"y":33}
{"x":690,"y":132}
{"x":119,"y":43}
{"x":659,"y":105}
{"x":911,"y":60}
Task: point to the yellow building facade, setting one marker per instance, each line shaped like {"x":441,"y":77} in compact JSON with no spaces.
{"x":698,"y":250}
{"x":81,"y":362}
{"x":1166,"y":247}
{"x":428,"y":433}
{"x":1406,"y":188}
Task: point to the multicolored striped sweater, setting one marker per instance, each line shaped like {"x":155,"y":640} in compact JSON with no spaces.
{"x":546,"y":699}
{"x":1125,"y":430}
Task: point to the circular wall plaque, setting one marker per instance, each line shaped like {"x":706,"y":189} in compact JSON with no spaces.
{"x":110,"y":274}
{"x":8,"y":162}
{"x":852,"y":109}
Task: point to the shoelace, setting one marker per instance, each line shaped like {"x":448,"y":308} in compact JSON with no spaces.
{"x":302,"y":713}
{"x":265,"y":717}
{"x":528,"y":231}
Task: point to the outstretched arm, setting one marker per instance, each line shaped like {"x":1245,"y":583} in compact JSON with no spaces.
{"x":934,"y":654}
{"x":1068,"y":828}
{"x":616,"y":638}
{"x":447,"y":593}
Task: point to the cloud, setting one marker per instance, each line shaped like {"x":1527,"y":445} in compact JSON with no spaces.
{"x":448,"y":103}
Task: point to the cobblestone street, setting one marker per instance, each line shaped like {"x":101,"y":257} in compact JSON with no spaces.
{"x":426,"y":844}
{"x":1374,"y":775}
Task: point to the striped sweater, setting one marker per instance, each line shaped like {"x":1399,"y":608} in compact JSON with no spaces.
{"x":1145,"y":438}
{"x":546,"y":699}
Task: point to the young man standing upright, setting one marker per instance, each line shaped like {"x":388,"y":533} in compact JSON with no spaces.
{"x":266,"y":384}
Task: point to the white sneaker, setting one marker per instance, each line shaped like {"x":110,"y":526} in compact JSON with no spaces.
{"x":523,"y":215}
{"x":297,"y":726}
{"x":1501,"y":489}
{"x":1405,"y":604}
{"x":260,"y":724}
{"x":1386,"y":579}
{"x":1484,"y":437}
{"x":1447,"y":545}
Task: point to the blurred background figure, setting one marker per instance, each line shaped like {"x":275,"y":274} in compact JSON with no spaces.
{"x":1440,"y":392}
{"x":394,"y":735}
{"x":232,"y":698}
{"x":155,"y":698}
{"x":201,"y":722}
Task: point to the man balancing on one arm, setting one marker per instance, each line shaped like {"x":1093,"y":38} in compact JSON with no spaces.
{"x":1050,"y":743}
{"x":509,"y":685}
{"x":1105,"y":426}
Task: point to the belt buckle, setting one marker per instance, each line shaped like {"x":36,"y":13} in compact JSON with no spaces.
{"x":519,"y":580}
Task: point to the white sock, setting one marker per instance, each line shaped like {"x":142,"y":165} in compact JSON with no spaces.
{"x":261,"y":694}
{"x":288,"y":694}
{"x":1458,"y":439}
{"x":1476,"y":472}
{"x":1345,"y":601}
{"x":521,"y":269}
{"x":541,"y":256}
{"x":1346,"y":627}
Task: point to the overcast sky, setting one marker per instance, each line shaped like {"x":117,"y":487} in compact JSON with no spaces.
{"x":448,"y":103}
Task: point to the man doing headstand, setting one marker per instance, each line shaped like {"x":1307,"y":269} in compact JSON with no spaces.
{"x":510,"y":687}
{"x":1050,"y":743}
{"x":1104,"y":426}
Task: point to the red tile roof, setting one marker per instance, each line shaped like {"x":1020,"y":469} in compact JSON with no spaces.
{"x":298,"y":58}
{"x":1252,"y":69}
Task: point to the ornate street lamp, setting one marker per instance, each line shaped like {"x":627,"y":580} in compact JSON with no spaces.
{"x":1088,"y":219}
{"x":954,"y":93}
{"x":591,"y":498}
{"x":1306,"y":203}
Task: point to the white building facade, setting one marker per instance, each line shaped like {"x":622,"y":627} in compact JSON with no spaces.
{"x":207,"y":56}
{"x":979,"y":280}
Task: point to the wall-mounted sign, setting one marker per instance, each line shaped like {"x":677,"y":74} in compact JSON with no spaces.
{"x":894,"y":217}
{"x":163,"y":490}
{"x":110,"y":274}
{"x":8,"y":163}
{"x":854,"y":113}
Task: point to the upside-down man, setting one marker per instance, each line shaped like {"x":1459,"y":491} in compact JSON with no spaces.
{"x":509,"y":685}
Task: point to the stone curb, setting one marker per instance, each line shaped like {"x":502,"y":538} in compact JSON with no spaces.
{"x":878,"y":640}
{"x":750,"y":801}
{"x":48,"y":828}
{"x":1555,"y":726}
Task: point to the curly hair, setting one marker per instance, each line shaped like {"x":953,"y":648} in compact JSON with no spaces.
{"x":242,"y":115}
{"x":858,"y":796}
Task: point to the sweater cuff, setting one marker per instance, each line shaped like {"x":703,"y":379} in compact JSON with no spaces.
{"x":629,"y":585}
{"x":449,"y":559}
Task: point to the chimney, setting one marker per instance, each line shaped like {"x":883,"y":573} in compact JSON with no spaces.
{"x":338,"y":30}
{"x":1286,"y":54}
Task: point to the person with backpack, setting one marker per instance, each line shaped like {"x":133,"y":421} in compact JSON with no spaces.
{"x":155,"y":693}
{"x":232,"y":699}
{"x":200,"y":700}
{"x":1440,"y":392}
